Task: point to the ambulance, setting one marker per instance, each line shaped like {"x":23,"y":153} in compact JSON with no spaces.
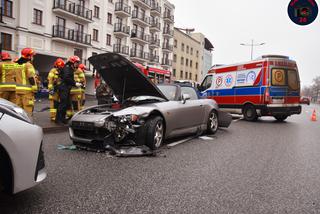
{"x":268,"y":86}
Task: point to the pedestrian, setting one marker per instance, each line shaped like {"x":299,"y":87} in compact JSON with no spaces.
{"x":26,"y":82}
{"x":67,"y":82}
{"x":7,"y":78}
{"x":53,"y":82}
{"x":104,"y":94}
{"x":82,"y":77}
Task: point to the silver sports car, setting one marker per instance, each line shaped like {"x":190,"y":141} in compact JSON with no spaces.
{"x":146,"y":114}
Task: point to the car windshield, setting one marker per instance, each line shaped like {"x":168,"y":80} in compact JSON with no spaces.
{"x":141,"y":98}
{"x":168,"y":90}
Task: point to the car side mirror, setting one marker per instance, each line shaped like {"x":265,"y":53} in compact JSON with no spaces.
{"x":185,"y":97}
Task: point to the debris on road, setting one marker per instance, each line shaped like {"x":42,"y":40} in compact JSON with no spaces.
{"x":66,"y":147}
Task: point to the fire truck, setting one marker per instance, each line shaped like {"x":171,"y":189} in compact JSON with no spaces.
{"x":268,"y":86}
{"x":156,"y":75}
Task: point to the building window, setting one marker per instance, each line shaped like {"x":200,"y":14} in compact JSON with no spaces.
{"x":94,"y":53}
{"x":187,"y":62}
{"x":109,"y":21}
{"x":190,"y":76}
{"x":174,"y":72}
{"x":190,"y":63}
{"x":108,"y":39}
{"x":191,"y":51}
{"x":181,"y":74}
{"x":6,"y":8}
{"x":186,"y":75}
{"x":187,"y":48}
{"x":182,"y":47}
{"x":95,"y":35}
{"x":196,"y":65}
{"x":96,"y":11}
{"x":182,"y":59}
{"x":6,"y":40}
{"x":111,"y":1}
{"x":196,"y":78}
{"x":175,"y":43}
{"x":37,"y":17}
{"x":174,"y":57}
{"x":197,"y":54}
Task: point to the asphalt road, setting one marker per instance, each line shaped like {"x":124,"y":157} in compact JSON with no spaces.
{"x":251,"y":167}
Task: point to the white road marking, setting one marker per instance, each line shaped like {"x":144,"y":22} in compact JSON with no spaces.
{"x":179,"y":142}
{"x":206,"y":138}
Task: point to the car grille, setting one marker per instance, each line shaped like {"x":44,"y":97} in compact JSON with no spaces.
{"x":95,"y":134}
{"x":40,"y":162}
{"x":80,"y":125}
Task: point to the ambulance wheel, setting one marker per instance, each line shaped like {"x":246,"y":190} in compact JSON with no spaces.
{"x":280,"y":118}
{"x":212,"y":125}
{"x":250,"y":113}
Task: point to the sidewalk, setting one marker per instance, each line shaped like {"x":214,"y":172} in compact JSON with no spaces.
{"x":41,"y":115}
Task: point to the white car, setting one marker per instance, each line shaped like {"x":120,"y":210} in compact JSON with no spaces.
{"x":21,"y":156}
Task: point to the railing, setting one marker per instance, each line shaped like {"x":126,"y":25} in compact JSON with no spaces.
{"x":154,"y":41}
{"x":141,"y":16}
{"x":147,"y":2}
{"x":168,"y":15}
{"x":136,"y":53}
{"x":155,"y":7}
{"x":167,"y":31}
{"x":119,"y":48}
{"x":166,"y":62}
{"x":167,"y":47}
{"x":74,"y":8}
{"x":119,"y":27}
{"x":71,"y":34}
{"x":140,"y":35}
{"x":155,"y":24}
{"x":154,"y":58}
{"x":119,"y":6}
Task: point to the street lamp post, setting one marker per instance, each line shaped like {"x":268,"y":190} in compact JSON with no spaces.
{"x":253,"y":44}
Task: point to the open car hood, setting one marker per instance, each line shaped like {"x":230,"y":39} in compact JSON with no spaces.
{"x":123,"y":77}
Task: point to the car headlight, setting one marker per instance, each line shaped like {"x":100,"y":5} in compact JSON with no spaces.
{"x":132,"y":117}
{"x":19,"y":113}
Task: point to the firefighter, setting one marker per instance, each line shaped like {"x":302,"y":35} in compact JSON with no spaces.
{"x":26,"y":82}
{"x":53,"y":82}
{"x":82,"y":77}
{"x":67,"y":82}
{"x":7,"y":78}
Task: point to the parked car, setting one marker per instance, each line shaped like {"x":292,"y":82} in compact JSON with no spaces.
{"x":21,"y":156}
{"x":146,"y":114}
{"x":305,"y":100}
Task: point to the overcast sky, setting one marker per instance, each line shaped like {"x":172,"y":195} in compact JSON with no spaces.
{"x":227,"y":23}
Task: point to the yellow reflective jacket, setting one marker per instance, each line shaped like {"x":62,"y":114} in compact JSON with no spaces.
{"x":23,"y":74}
{"x":7,"y":76}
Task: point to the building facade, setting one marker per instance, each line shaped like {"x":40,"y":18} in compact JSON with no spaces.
{"x":192,"y":56}
{"x":141,"y":30}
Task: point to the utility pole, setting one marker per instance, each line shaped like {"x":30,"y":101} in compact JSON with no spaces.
{"x":252,"y":44}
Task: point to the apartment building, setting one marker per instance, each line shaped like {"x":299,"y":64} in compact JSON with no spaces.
{"x":141,"y":30}
{"x":192,"y":56}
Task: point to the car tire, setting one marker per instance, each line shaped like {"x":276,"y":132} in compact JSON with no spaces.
{"x":154,"y":132}
{"x":212,"y":124}
{"x":250,"y":113}
{"x":281,"y":118}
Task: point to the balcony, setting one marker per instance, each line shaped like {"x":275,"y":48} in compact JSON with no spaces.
{"x":72,"y":10}
{"x":155,"y":26}
{"x":154,"y":58}
{"x":146,"y":4}
{"x":121,"y":30}
{"x":121,"y":49}
{"x":139,"y":36}
{"x":154,"y":43}
{"x":155,"y":9}
{"x":140,"y":18}
{"x":166,"y":62}
{"x":167,"y":47}
{"x":167,"y":32}
{"x":71,"y":36}
{"x":122,"y":10}
{"x":168,"y":17}
{"x":139,"y":55}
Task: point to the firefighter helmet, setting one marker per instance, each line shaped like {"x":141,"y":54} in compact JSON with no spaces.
{"x":74,"y":59}
{"x":59,"y":63}
{"x":27,"y":53}
{"x":82,"y":67}
{"x":5,"y":56}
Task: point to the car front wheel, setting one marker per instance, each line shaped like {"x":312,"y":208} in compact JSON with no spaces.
{"x":155,"y":132}
{"x":212,"y":125}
